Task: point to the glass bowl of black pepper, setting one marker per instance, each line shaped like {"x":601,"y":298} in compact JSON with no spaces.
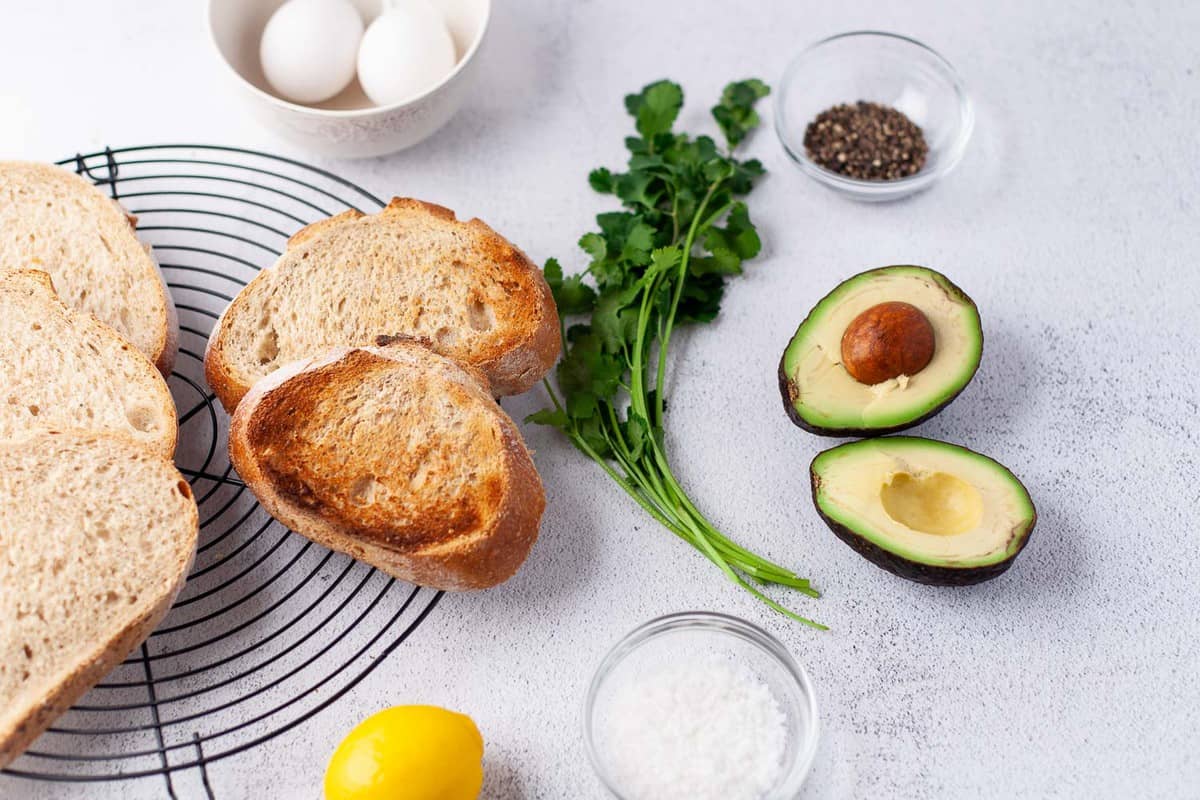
{"x":875,"y":116}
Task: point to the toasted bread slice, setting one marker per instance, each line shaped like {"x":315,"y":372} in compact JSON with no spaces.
{"x":412,"y":269}
{"x":58,"y":222}
{"x":397,"y":456}
{"x":61,"y":368}
{"x":97,"y":534}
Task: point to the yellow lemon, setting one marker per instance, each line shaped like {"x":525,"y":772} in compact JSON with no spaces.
{"x":408,"y":753}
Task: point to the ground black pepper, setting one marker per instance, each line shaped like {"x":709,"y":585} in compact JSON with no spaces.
{"x":867,"y":141}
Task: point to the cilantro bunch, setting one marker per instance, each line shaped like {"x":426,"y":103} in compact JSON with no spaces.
{"x":659,"y":263}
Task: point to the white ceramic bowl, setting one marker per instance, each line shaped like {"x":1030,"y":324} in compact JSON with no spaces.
{"x":348,"y":125}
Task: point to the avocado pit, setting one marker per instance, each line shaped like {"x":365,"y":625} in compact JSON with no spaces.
{"x":886,"y":341}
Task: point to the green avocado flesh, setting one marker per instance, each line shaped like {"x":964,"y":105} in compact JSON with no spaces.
{"x":822,"y":397}
{"x":925,"y":510}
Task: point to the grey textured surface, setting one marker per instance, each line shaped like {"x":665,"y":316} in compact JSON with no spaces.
{"x":1072,"y":222}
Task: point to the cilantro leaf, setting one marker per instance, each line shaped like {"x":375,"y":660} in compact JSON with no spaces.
{"x":664,"y":259}
{"x":738,"y":237}
{"x":614,"y":321}
{"x":554,"y":417}
{"x":601,"y":179}
{"x":638,"y":243}
{"x":745,"y":173}
{"x":718,"y":169}
{"x":587,"y":374}
{"x":702,"y":298}
{"x":553,"y":273}
{"x":595,"y":245}
{"x":654,"y":164}
{"x":720,"y":261}
{"x":639,"y":188}
{"x":574,"y":297}
{"x":655,"y":108}
{"x":571,"y":295}
{"x":735,"y":113}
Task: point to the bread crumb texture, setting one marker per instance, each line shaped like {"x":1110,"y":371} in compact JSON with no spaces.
{"x":56,"y":221}
{"x":96,"y":535}
{"x":62,"y":369}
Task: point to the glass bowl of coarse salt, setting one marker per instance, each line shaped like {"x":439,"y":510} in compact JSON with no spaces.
{"x":701,"y":706}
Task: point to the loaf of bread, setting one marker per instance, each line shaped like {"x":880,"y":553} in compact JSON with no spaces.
{"x":412,"y":269}
{"x":55,"y":221}
{"x":96,"y":536}
{"x":61,"y":368}
{"x":396,"y":455}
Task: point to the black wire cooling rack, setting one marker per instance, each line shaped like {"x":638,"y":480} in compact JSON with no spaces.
{"x":270,"y":628}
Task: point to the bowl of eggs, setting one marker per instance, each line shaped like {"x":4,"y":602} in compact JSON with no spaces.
{"x":350,"y":78}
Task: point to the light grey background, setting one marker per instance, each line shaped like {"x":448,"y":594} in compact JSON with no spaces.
{"x":1072,"y":222}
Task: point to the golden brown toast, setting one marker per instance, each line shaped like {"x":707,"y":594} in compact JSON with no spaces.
{"x":397,"y":456}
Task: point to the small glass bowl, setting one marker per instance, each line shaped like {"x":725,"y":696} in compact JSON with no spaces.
{"x":686,"y":636}
{"x":883,"y":68}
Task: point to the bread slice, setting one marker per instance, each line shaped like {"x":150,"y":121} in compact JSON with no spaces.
{"x":56,"y":221}
{"x":412,"y":269}
{"x":61,"y":368}
{"x":97,"y":534}
{"x":397,"y":456}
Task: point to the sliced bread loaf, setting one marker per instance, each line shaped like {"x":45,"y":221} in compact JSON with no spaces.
{"x":61,"y":368}
{"x":97,"y":534}
{"x":56,"y":221}
{"x":412,"y":269}
{"x":397,"y":456}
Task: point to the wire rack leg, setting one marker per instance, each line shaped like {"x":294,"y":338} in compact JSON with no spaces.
{"x":158,"y":732}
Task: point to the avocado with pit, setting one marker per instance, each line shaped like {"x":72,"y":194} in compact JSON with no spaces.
{"x":928,"y":511}
{"x":886,"y":350}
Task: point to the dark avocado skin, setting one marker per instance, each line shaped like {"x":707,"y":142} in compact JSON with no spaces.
{"x":912,"y":570}
{"x":788,"y":389}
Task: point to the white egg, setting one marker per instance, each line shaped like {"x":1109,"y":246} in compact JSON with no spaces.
{"x":309,"y":48}
{"x":405,"y":51}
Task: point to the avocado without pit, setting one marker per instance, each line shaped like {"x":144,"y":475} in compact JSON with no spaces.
{"x":928,"y":511}
{"x":885,"y":350}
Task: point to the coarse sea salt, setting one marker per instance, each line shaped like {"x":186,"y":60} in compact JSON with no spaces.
{"x":694,"y":729}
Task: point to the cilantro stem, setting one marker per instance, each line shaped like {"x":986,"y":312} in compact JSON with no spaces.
{"x":674,"y":216}
{"x":553,"y":395}
{"x":669,"y":325}
{"x":749,"y":562}
{"x":770,"y":571}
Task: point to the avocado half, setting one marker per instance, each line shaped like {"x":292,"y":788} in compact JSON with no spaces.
{"x":822,"y":397}
{"x":925,"y":510}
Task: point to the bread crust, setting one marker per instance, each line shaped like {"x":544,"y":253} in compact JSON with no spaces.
{"x":450,"y":552}
{"x":165,"y":345}
{"x":511,"y":367}
{"x":103,"y":656}
{"x":164,"y":361}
